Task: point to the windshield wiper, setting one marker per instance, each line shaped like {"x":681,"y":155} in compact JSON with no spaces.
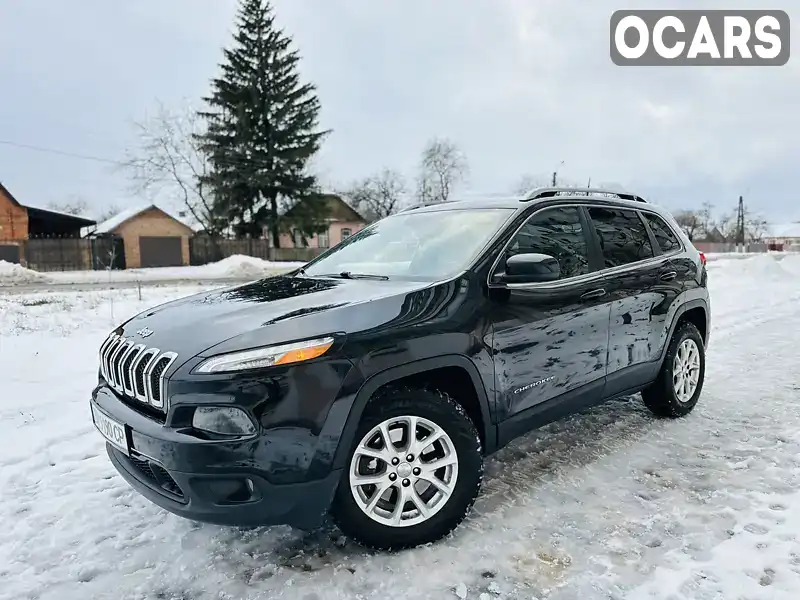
{"x":351,"y":275}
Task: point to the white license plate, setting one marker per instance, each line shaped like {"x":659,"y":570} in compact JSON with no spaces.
{"x":113,"y":431}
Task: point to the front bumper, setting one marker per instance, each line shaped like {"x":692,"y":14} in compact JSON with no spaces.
{"x":206,"y":498}
{"x":222,"y":482}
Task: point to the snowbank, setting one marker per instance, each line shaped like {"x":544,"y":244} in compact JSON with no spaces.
{"x":234,"y":267}
{"x":14,"y":274}
{"x":239,"y":266}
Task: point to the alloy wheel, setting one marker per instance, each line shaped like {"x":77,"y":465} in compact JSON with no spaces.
{"x":403,"y":471}
{"x":686,"y":370}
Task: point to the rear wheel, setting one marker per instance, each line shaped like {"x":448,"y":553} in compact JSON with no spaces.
{"x":414,"y":472}
{"x":680,"y":381}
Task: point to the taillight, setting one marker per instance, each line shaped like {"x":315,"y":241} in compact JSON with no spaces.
{"x":703,"y":258}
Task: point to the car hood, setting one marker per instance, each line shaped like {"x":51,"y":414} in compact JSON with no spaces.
{"x":269,"y":311}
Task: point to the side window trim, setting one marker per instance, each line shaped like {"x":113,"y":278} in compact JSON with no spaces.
{"x":657,"y":250}
{"x":681,"y":246}
{"x":596,"y":261}
{"x":589,"y":239}
{"x":593,"y":243}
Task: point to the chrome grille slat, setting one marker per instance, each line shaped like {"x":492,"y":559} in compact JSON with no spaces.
{"x":127,"y":369}
{"x":112,"y":363}
{"x":135,"y":371}
{"x":107,"y":356}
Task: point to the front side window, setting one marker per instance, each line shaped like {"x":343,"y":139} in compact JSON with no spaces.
{"x":666,"y":238}
{"x":557,"y":232}
{"x":426,"y":246}
{"x":623,"y":237}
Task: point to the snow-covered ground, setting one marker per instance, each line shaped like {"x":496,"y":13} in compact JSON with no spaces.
{"x":611,"y":504}
{"x":233,"y":267}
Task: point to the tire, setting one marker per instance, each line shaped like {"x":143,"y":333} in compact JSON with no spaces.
{"x":434,"y":412}
{"x":661,"y":397}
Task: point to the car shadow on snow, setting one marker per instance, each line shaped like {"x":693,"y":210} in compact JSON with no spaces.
{"x":564,"y":447}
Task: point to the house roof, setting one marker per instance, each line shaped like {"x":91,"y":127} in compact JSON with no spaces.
{"x":55,"y":215}
{"x":785,"y":230}
{"x":47,"y":213}
{"x":126,"y":215}
{"x":339,"y":209}
{"x":10,"y":196}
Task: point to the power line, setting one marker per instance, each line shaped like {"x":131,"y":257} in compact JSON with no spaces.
{"x":61,"y":152}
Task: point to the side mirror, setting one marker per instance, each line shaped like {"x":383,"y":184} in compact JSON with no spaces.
{"x":531,"y":268}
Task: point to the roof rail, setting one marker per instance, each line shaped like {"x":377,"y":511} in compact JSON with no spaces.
{"x":549,"y":192}
{"x":422,"y":205}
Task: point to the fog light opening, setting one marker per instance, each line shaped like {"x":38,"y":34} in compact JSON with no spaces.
{"x":223,"y":421}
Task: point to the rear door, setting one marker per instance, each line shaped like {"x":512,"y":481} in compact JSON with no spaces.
{"x":642,"y":283}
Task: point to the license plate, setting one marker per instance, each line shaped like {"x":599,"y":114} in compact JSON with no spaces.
{"x":112,"y":430}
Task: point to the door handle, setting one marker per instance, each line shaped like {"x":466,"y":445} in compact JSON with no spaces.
{"x":593,"y":294}
{"x":668,"y":276}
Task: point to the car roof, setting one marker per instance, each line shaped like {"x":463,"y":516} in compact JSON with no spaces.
{"x":521,"y":203}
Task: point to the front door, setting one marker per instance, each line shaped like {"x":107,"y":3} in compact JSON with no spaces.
{"x":550,"y":339}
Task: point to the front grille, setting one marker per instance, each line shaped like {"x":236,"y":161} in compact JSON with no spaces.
{"x":156,"y":475}
{"x":135,"y":371}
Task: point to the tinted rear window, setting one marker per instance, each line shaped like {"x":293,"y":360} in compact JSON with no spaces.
{"x":666,"y":238}
{"x":623,"y":237}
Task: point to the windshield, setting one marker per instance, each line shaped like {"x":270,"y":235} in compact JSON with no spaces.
{"x":426,"y":246}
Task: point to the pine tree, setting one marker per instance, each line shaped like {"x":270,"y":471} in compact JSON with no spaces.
{"x":262,"y":130}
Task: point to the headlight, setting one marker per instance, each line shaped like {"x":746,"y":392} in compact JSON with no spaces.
{"x":266,"y":357}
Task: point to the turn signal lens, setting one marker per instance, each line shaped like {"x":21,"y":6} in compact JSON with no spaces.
{"x":266,"y":357}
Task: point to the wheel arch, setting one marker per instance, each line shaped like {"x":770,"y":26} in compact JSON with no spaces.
{"x":415,"y":372}
{"x":693,"y":311}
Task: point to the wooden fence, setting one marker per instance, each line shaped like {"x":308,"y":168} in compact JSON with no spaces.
{"x":204,"y":250}
{"x":65,"y":254}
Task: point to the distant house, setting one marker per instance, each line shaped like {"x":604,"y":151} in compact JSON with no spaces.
{"x":715,"y":236}
{"x":151,"y":237}
{"x":342,"y":222}
{"x":784,"y":236}
{"x":19,"y":223}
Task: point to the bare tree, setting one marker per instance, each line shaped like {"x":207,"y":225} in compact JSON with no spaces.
{"x":755,"y":226}
{"x":690,"y":221}
{"x":379,"y":195}
{"x":108,"y":212}
{"x":73,"y":206}
{"x":530,"y":182}
{"x":169,"y":161}
{"x":443,"y":166}
{"x":527,"y":183}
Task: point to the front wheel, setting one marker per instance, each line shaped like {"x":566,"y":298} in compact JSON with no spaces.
{"x":676,"y":390}
{"x":414,"y":472}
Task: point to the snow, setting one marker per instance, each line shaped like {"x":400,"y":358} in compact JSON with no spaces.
{"x":234,"y":267}
{"x":14,"y":274}
{"x":785,"y":230}
{"x":609,"y":504}
{"x":112,"y":223}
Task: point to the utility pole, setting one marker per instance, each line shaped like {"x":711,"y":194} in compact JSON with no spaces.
{"x":740,"y":226}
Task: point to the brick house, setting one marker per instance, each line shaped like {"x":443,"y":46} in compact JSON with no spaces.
{"x":151,"y":237}
{"x":342,"y":222}
{"x":20,"y":223}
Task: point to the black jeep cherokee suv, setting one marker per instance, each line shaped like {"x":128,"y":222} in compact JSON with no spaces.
{"x":373,"y":382}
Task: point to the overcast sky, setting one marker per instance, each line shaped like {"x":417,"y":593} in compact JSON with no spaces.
{"x":520,"y":85}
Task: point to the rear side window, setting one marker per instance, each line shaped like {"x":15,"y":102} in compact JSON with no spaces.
{"x":623,"y":237}
{"x":666,"y":238}
{"x":559,"y":233}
